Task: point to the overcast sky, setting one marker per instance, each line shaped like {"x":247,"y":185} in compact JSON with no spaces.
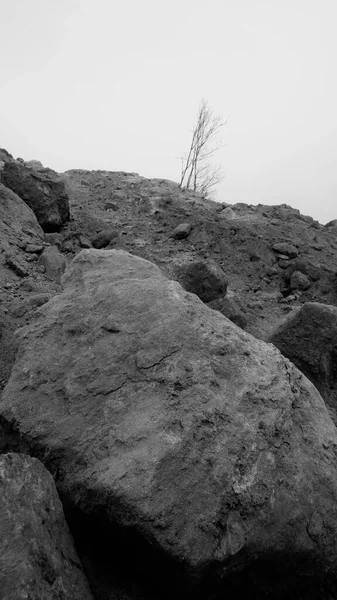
{"x":116,"y":85}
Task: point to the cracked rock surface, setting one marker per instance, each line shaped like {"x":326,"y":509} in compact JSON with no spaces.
{"x":158,"y":415}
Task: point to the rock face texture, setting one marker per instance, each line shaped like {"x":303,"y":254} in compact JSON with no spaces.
{"x":43,"y":190}
{"x":159,"y":416}
{"x":37,"y":555}
{"x":308,"y":337}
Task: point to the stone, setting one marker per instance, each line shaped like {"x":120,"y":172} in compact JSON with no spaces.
{"x":308,"y":337}
{"x":228,"y":213}
{"x":32,"y":248}
{"x":43,"y":191}
{"x":69,"y":245}
{"x":104,"y":238}
{"x":84,"y":242}
{"x":182,"y":231}
{"x":36,"y":165}
{"x":285,"y":248}
{"x":37,"y":555}
{"x":159,"y":416}
{"x":36,"y":300}
{"x":18,"y":310}
{"x":16,"y":266}
{"x":53,"y":263}
{"x":15,"y":217}
{"x":283,"y":263}
{"x":229,"y":308}
{"x":299,"y":281}
{"x":311,"y":269}
{"x":54,"y":239}
{"x":5,"y":156}
{"x":111,"y":206}
{"x":202,"y":277}
{"x":27,"y":286}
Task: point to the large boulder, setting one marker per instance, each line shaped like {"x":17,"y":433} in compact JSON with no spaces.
{"x":308,"y":337}
{"x":203,"y":277}
{"x":17,"y":221}
{"x":37,"y":555}
{"x":160,"y":418}
{"x":43,"y":191}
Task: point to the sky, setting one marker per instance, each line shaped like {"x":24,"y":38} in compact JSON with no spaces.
{"x":117,"y":84}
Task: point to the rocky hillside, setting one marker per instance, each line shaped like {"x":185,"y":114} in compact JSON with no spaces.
{"x":165,"y":425}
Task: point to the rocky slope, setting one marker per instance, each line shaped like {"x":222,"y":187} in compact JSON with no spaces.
{"x":254,"y":264}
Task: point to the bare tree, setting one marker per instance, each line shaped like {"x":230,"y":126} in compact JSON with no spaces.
{"x":197,"y":173}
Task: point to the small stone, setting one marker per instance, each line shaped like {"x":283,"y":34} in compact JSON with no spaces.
{"x":283,"y":263}
{"x":68,"y":246}
{"x":182,"y":231}
{"x":31,"y":257}
{"x":299,"y":281}
{"x":111,"y":206}
{"x":16,"y":267}
{"x":84,"y":242}
{"x":228,"y":213}
{"x":19,"y":310}
{"x":284,"y":248}
{"x":53,"y":262}
{"x":27,"y":286}
{"x":104,"y":238}
{"x":38,"y":299}
{"x":54,"y":239}
{"x":33,"y":248}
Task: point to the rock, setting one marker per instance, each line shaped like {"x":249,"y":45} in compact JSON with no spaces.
{"x":69,"y":245}
{"x":54,"y":239}
{"x":228,"y":213}
{"x":84,"y":242}
{"x":38,"y":299}
{"x":15,"y":216}
{"x":5,"y":156}
{"x":299,"y":281}
{"x":285,"y":248}
{"x":182,"y":231}
{"x":53,"y":263}
{"x":312,"y":270}
{"x":205,"y":278}
{"x":27,"y":286}
{"x":16,"y":266}
{"x":18,"y":310}
{"x":111,"y":206}
{"x":37,"y":555}
{"x":36,"y":165}
{"x":43,"y":191}
{"x":283,"y":263}
{"x":332,"y":223}
{"x":104,"y":238}
{"x":159,"y":415}
{"x":229,"y":309}
{"x":308,"y":337}
{"x":32,"y":248}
